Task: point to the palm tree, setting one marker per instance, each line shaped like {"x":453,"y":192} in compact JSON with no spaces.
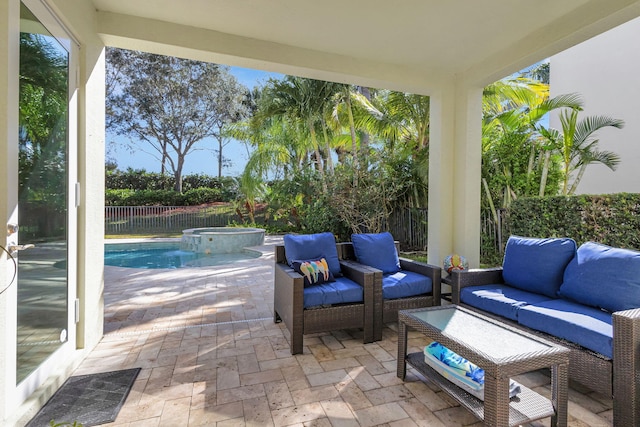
{"x":302,"y":101}
{"x":579,"y":147}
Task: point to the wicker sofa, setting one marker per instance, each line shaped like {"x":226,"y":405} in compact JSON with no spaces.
{"x":302,"y":309}
{"x":587,"y":299}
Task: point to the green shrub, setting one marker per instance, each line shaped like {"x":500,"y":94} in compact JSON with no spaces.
{"x":611,"y":219}
{"x":199,"y":196}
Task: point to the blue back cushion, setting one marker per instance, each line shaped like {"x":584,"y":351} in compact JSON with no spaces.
{"x":604,"y":277}
{"x":537,"y":265}
{"x":377,"y":250}
{"x":312,"y":246}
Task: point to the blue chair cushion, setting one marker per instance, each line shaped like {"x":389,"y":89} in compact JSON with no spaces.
{"x":312,"y":246}
{"x":537,"y":265}
{"x":315,"y":272}
{"x":377,"y":250}
{"x":405,"y":284}
{"x":502,"y":300}
{"x":586,"y":326}
{"x":341,"y":291}
{"x":605,"y":277}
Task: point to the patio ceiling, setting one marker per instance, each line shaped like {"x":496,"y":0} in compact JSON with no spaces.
{"x":413,"y":45}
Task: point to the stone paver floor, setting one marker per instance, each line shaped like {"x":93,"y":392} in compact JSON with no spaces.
{"x":211,"y":355}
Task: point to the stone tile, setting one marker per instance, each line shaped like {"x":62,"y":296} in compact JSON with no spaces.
{"x":388,"y":394}
{"x":380,"y":414}
{"x":297,"y":414}
{"x":339,"y":413}
{"x":261,"y":377}
{"x":433,"y":401}
{"x":278,"y":395}
{"x":315,"y":394}
{"x":257,"y":412}
{"x":240,"y":393}
{"x":363,"y":378}
{"x":206,"y":417}
{"x":332,"y":377}
{"x":352,"y":395}
{"x":418,"y":412}
{"x":176,"y":412}
{"x":344,"y":363}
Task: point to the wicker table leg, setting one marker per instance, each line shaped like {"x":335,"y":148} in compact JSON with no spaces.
{"x":496,"y":401}
{"x":559,"y":393}
{"x":402,"y":350}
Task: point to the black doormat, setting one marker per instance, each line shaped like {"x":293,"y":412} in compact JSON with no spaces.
{"x":87,"y":399}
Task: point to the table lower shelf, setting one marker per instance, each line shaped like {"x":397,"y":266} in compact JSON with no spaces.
{"x":526,"y":407}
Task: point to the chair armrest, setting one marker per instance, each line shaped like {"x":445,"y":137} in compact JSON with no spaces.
{"x":626,"y":365}
{"x":434,"y":272}
{"x":478,"y":276}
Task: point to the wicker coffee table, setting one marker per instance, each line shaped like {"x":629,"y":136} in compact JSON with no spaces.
{"x":502,"y":351}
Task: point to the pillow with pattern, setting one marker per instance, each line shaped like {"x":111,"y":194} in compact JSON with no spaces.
{"x":315,"y":272}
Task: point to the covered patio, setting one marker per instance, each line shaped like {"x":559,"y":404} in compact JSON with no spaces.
{"x":446,"y":50}
{"x":211,"y":354}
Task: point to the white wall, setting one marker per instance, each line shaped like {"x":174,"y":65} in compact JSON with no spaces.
{"x":79,"y":16}
{"x":606,"y":71}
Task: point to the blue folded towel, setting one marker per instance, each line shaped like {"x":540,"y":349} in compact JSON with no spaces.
{"x":459,"y":370}
{"x":455,"y":361}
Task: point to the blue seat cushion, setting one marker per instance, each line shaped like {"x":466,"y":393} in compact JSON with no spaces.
{"x":604,"y":277}
{"x":341,"y":291}
{"x":312,"y":246}
{"x":586,"y":326}
{"x":502,"y":300}
{"x":377,"y":250}
{"x":537,"y":265}
{"x":405,"y":284}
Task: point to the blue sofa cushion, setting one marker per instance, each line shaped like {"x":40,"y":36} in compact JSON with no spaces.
{"x":537,"y":265}
{"x":315,"y":272}
{"x":341,"y":291}
{"x":586,"y":326}
{"x":605,"y":277}
{"x":502,"y":300}
{"x":312,"y":246}
{"x":405,"y":284}
{"x":377,"y":250}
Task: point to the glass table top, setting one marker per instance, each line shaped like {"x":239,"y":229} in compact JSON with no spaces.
{"x":479,"y":333}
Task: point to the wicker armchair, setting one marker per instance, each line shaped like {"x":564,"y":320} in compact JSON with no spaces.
{"x":387,"y":309}
{"x":289,"y":303}
{"x":616,"y":378}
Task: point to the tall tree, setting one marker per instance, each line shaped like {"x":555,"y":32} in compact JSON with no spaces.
{"x":167,"y":105}
{"x":578,"y":145}
{"x":301,"y":101}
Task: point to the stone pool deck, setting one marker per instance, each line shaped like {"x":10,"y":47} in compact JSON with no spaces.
{"x":211,"y":356}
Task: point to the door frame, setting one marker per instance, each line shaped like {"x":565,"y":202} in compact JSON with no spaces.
{"x":58,"y":358}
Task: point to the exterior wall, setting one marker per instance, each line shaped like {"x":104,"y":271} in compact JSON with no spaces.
{"x":80,"y":18}
{"x":605,"y":71}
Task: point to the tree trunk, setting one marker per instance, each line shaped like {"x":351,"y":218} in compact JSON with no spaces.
{"x":219,"y":157}
{"x":545,"y":172}
{"x":576,"y":181}
{"x":314,"y":141}
{"x":354,"y":141}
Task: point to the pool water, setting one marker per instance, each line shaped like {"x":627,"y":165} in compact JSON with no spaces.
{"x":163,"y":255}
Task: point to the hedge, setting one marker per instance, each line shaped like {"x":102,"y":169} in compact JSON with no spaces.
{"x":610,"y":219}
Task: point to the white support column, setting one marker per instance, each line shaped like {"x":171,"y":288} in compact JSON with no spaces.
{"x":454,"y":173}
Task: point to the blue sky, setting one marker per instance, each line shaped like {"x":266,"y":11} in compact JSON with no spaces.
{"x":204,"y":160}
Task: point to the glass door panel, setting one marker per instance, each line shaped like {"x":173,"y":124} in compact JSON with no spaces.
{"x":43,"y":199}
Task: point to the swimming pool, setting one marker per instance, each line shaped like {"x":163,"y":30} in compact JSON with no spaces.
{"x":167,"y":255}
